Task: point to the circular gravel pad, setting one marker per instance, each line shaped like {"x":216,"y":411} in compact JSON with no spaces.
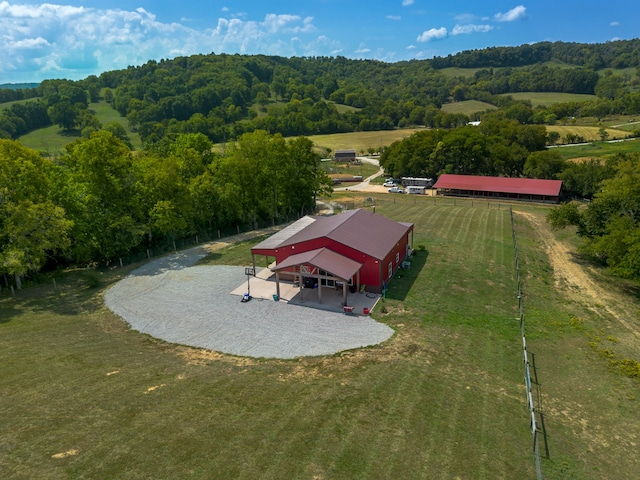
{"x":191,"y":305}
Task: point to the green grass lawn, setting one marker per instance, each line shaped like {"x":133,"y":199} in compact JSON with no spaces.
{"x":85,"y":396}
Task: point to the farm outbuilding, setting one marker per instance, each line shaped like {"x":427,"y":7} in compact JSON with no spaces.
{"x":345,"y":156}
{"x":527,"y":189}
{"x":355,"y":250}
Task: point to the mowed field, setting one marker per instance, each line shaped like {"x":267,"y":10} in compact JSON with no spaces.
{"x":84,"y":396}
{"x":549,"y":98}
{"x":468,"y":107}
{"x":362,"y":141}
{"x":589,"y":134}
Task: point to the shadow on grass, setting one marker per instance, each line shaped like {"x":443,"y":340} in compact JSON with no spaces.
{"x":73,"y":293}
{"x":8,"y":311}
{"x":538,"y":388}
{"x":403,"y":280}
{"x":72,"y":132}
{"x":628,"y":287}
{"x":212,"y":258}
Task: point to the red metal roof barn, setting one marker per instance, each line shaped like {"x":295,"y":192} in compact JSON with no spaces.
{"x":356,"y":248}
{"x":499,"y":187}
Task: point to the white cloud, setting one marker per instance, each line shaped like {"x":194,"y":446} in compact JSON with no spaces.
{"x":614,"y":24}
{"x":54,"y":41}
{"x":362,"y":49}
{"x":394,"y":17}
{"x":406,"y":3}
{"x":320,"y":46}
{"x":467,"y":29}
{"x":29,"y":43}
{"x":278,"y":23}
{"x":512,"y":15}
{"x":432,"y":34}
{"x":465,"y":18}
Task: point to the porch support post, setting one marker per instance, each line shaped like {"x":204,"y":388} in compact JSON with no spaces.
{"x":344,"y":292}
{"x":301,"y":287}
{"x":278,"y":284}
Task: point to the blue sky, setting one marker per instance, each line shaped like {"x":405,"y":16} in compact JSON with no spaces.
{"x":77,"y":38}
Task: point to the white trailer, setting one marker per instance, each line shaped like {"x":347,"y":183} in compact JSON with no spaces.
{"x":415,"y":189}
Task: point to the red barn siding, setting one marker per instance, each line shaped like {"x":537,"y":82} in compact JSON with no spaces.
{"x":373,"y":237}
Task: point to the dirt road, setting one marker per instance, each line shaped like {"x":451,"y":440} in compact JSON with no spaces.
{"x":581,"y":286}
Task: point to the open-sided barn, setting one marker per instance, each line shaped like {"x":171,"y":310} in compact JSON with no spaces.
{"x":357,"y":249}
{"x":529,"y":189}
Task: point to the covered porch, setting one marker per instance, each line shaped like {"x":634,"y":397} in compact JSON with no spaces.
{"x":320,"y":269}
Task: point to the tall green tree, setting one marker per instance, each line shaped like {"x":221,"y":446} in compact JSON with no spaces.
{"x":610,"y":224}
{"x":545,"y":164}
{"x":32,"y":227}
{"x":98,"y":192}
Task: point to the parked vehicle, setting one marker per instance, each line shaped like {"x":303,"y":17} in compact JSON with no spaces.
{"x":389,"y":183}
{"x":396,"y":190}
{"x":415,"y":189}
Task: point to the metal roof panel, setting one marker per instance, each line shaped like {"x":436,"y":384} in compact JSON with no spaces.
{"x":521,"y":186}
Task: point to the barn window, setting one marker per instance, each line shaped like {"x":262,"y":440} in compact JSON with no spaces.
{"x":398,"y":257}
{"x":390,"y":270}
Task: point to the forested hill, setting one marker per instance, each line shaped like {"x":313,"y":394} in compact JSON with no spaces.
{"x":617,"y":54}
{"x":223,"y":96}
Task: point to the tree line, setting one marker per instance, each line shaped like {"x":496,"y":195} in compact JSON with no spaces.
{"x":223,"y":96}
{"x":597,"y":56}
{"x":610,"y":224}
{"x":499,"y":146}
{"x":100,"y":200}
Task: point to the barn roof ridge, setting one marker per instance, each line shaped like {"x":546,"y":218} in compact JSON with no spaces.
{"x":358,"y":229}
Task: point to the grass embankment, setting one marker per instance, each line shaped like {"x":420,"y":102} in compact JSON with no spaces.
{"x":84,"y":396}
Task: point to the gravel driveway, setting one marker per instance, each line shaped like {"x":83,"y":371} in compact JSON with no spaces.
{"x":173,"y":300}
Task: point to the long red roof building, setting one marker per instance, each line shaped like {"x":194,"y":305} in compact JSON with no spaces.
{"x":530,"y":189}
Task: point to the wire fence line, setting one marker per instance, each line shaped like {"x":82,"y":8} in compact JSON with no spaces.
{"x":372,"y":202}
{"x":536,"y":419}
{"x":533,"y":413}
{"x":237,"y":233}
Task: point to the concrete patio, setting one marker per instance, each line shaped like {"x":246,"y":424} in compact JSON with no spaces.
{"x":263,"y":285}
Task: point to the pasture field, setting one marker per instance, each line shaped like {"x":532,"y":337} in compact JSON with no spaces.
{"x":53,"y":140}
{"x":598,"y":149}
{"x":84,"y":396}
{"x":50,"y":140}
{"x":549,"y":98}
{"x":588,"y":133}
{"x":467,"y":107}
{"x":4,"y":105}
{"x":337,"y":170}
{"x":362,"y":141}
